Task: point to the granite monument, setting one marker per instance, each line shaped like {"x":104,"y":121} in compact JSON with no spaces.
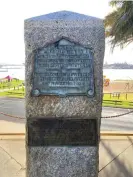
{"x":64,"y":60}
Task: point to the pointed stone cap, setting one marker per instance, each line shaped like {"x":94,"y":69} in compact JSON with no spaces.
{"x":62,"y":15}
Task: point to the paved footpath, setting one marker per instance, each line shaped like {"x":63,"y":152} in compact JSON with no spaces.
{"x":116,"y":157}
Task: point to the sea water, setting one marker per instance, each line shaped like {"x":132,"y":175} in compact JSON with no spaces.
{"x":14,"y":73}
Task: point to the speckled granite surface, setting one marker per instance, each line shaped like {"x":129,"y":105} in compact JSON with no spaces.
{"x":39,"y":32}
{"x":63,"y":162}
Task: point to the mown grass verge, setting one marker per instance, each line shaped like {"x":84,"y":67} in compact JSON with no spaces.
{"x":14,"y":93}
{"x":122,"y":96}
{"x":117,"y":104}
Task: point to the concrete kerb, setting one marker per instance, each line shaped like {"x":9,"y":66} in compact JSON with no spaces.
{"x":12,"y":136}
{"x":115,"y":133}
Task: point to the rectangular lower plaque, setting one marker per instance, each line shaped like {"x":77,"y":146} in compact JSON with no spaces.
{"x":63,"y":68}
{"x":58,"y":132}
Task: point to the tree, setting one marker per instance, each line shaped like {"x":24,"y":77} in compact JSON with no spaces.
{"x":119,"y":23}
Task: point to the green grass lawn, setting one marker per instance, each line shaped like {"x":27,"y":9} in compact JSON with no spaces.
{"x":124,"y":101}
{"x":123,"y":97}
{"x":123,"y":104}
{"x":14,"y":93}
{"x":11,"y":84}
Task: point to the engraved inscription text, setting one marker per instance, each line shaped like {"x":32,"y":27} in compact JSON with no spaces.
{"x":63,"y":68}
{"x":54,"y":132}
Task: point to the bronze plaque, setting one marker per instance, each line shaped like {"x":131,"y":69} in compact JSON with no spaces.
{"x":63,"y":68}
{"x":58,"y":132}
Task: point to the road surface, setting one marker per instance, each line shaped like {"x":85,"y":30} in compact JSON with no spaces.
{"x":16,"y":107}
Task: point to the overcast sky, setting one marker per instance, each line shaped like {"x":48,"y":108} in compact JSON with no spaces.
{"x":13,"y":13}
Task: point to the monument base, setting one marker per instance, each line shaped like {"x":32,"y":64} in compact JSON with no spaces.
{"x":63,"y":161}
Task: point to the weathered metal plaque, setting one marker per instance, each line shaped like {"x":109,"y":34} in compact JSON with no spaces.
{"x":58,"y":132}
{"x":63,"y":68}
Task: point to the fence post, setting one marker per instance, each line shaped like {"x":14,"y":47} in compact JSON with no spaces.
{"x":126,"y":96}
